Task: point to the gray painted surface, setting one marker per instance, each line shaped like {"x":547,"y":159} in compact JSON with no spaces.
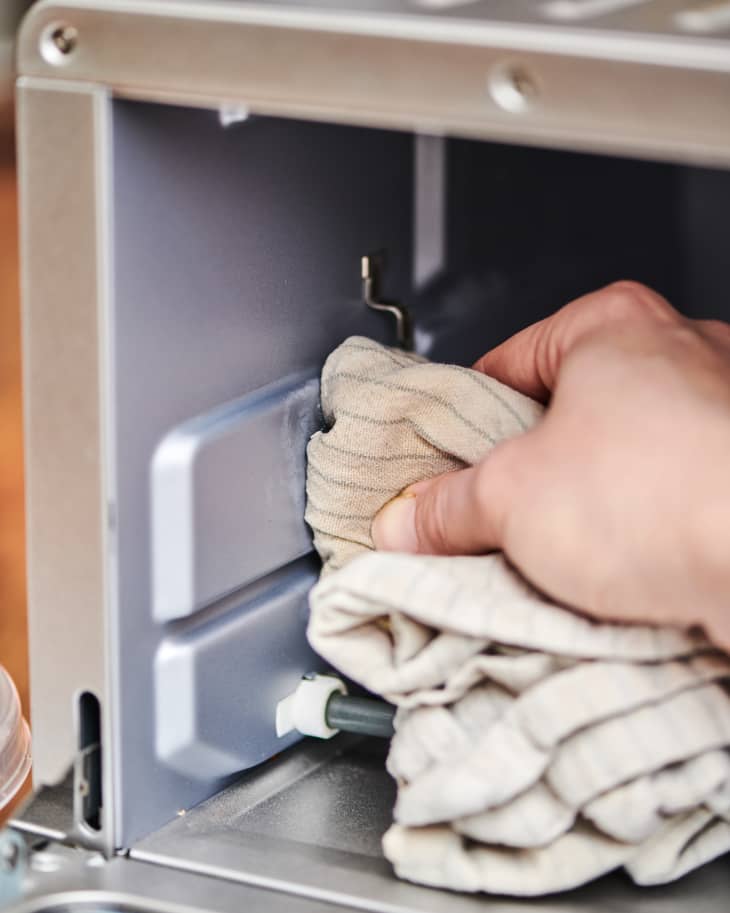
{"x":224,"y":513}
{"x":236,"y":264}
{"x":217,"y":686}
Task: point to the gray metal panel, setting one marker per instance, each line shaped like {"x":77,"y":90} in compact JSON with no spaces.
{"x":217,"y":686}
{"x":228,"y":496}
{"x":323,"y":807}
{"x":629,"y":80}
{"x":236,"y":264}
{"x":65,"y":213}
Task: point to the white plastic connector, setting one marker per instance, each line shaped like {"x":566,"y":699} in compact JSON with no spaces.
{"x":304,"y":710}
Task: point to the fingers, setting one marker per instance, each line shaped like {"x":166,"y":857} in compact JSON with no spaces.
{"x":460,"y":512}
{"x":716,"y":332}
{"x":472,"y":510}
{"x":530,"y":360}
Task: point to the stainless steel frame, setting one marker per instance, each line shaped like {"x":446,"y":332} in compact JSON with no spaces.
{"x":632,"y":77}
{"x":63,"y":170}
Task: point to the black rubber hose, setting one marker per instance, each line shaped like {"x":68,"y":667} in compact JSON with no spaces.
{"x":362,"y":715}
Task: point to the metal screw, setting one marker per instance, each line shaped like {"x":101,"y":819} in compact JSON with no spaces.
{"x":523,"y":83}
{"x":64,"y":38}
{"x":513,"y":88}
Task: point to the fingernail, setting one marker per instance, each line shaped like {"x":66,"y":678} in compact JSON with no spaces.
{"x":394,"y":527}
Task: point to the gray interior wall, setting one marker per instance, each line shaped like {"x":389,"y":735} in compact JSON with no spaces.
{"x":530,"y":229}
{"x":236,"y":264}
{"x":704,"y":201}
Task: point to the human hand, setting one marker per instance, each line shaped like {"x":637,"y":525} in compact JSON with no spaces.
{"x":618,"y":502}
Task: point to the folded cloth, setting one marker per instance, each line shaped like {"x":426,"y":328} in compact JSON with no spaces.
{"x":535,"y":749}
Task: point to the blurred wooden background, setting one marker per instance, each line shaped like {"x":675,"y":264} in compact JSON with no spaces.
{"x":13,"y":636}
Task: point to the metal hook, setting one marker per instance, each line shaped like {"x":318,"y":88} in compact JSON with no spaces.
{"x":403,"y":326}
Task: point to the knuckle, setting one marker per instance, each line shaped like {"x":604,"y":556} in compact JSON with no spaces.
{"x":628,"y":300}
{"x":717,"y":329}
{"x":716,"y":326}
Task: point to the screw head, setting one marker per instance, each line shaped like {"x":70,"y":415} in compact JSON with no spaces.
{"x":64,"y":37}
{"x":58,"y":42}
{"x":513,"y":88}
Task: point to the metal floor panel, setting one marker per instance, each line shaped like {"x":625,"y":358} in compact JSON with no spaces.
{"x":310,"y":824}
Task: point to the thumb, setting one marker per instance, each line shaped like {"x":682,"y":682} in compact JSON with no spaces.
{"x":457,"y":513}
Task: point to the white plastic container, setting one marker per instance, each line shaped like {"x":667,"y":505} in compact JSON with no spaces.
{"x":14,"y":741}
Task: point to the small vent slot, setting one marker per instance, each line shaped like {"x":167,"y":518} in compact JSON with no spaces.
{"x":88,"y":768}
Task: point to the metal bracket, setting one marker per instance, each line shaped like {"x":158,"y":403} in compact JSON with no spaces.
{"x":369,"y":273}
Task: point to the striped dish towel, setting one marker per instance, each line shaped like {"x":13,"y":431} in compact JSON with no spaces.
{"x":535,"y":749}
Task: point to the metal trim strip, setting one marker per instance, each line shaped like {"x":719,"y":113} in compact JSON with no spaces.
{"x":660,"y":96}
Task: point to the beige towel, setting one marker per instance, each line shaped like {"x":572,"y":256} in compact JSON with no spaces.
{"x":535,"y":749}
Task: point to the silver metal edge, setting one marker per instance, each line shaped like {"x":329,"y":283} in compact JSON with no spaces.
{"x":79,"y":882}
{"x":320,"y":891}
{"x":62,"y":135}
{"x":526,"y":33}
{"x":416,"y":73}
